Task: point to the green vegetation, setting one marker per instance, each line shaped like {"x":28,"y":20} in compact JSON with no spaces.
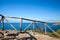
{"x":35,"y":30}
{"x":58,"y":31}
{"x":54,"y":35}
{"x":51,"y":33}
{"x":39,"y":31}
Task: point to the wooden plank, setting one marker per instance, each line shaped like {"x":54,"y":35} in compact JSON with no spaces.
{"x":28,"y":26}
{"x":10,"y":24}
{"x":24,"y":19}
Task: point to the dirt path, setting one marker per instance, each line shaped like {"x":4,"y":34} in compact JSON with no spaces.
{"x":43,"y":37}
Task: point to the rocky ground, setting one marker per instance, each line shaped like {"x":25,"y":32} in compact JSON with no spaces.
{"x":30,"y":35}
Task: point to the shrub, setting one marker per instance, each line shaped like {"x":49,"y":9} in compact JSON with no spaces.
{"x":51,"y":34}
{"x":54,"y":35}
{"x":58,"y":31}
{"x":36,"y":30}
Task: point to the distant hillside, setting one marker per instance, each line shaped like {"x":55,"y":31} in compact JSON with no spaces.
{"x":57,"y":23}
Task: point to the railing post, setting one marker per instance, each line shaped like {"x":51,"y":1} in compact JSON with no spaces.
{"x":2,"y":23}
{"x":33,"y":27}
{"x":45,"y":28}
{"x":21,"y":25}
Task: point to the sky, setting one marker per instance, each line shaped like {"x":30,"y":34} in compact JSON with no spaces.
{"x":44,"y":10}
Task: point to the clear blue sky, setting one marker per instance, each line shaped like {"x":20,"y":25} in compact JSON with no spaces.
{"x":33,"y":9}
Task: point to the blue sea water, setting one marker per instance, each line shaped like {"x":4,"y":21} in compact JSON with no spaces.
{"x":24,"y":25}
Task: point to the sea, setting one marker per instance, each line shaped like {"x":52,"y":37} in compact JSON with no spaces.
{"x":36,"y":27}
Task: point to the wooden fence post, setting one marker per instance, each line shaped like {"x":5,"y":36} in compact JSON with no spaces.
{"x":45,"y":28}
{"x":21,"y":25}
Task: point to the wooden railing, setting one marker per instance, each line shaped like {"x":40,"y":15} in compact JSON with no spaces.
{"x":21,"y":21}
